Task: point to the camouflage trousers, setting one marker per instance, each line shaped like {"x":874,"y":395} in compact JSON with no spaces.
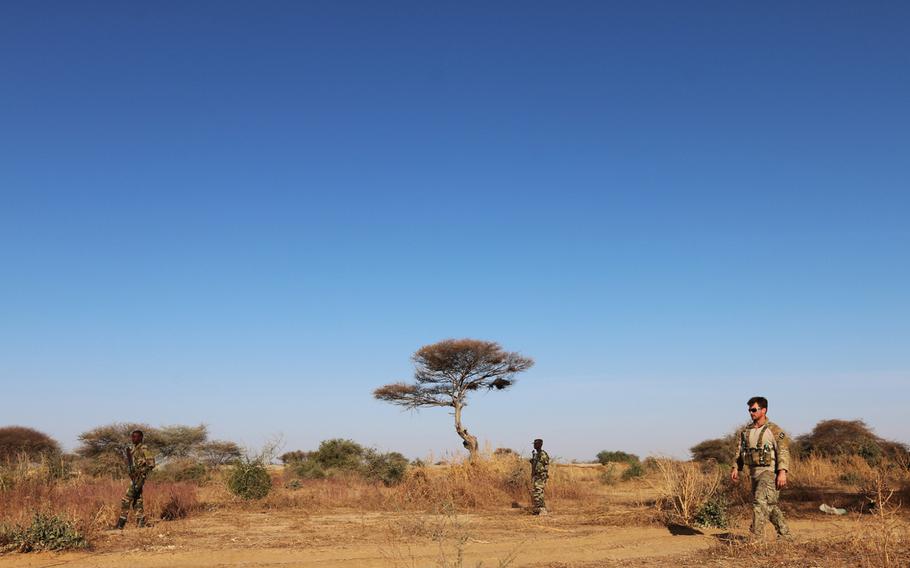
{"x":538,"y":484}
{"x":133,"y":498}
{"x":765,"y":497}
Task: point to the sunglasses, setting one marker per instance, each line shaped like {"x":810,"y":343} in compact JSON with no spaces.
{"x":754,"y":410}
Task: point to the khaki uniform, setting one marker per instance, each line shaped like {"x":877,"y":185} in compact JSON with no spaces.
{"x":143,"y":462}
{"x":766,"y":451}
{"x":540,"y":472}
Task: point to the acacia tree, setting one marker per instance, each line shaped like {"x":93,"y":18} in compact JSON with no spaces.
{"x":445,"y":372}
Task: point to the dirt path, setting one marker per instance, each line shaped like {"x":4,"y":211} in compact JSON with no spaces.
{"x":277,"y":539}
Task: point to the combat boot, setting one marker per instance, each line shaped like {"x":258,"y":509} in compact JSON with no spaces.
{"x":543,"y":512}
{"x":121,"y":522}
{"x":140,"y":522}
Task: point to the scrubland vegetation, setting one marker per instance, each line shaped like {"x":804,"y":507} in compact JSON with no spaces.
{"x":51,"y":501}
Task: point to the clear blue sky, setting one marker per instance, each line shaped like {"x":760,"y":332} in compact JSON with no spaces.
{"x":251,"y":214}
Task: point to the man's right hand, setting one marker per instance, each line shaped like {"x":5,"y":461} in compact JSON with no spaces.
{"x":734,"y":475}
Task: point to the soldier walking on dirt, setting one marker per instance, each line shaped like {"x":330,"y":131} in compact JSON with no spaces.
{"x":763,"y":446}
{"x":140,"y":462}
{"x":540,"y":466}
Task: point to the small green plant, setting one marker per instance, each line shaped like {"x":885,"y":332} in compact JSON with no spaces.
{"x":46,"y":532}
{"x":249,"y":479}
{"x":713,"y":513}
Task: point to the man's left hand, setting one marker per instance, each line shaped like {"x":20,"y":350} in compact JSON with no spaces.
{"x":781,"y":481}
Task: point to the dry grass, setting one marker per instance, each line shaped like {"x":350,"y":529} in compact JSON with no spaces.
{"x":430,"y":499}
{"x":879,"y":537}
{"x":91,"y":504}
{"x":493,"y":482}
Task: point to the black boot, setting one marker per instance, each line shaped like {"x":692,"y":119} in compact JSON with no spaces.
{"x":121,"y":522}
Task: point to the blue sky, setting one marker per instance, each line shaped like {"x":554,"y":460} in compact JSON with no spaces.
{"x":251,"y":214}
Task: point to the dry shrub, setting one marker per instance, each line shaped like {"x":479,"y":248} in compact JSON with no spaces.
{"x":819,"y":471}
{"x":467,"y":484}
{"x":683,"y":488}
{"x":489,"y":482}
{"x":879,"y":536}
{"x":841,"y":549}
{"x":178,"y":500}
{"x":16,"y":440}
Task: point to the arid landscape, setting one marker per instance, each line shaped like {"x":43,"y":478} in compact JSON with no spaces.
{"x":623,"y":512}
{"x":417,"y":284}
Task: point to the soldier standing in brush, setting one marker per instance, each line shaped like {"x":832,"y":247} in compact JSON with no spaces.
{"x":140,"y":462}
{"x":540,"y":466}
{"x":763,"y":446}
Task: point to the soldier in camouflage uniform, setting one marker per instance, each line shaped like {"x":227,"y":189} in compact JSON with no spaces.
{"x":763,"y":446}
{"x":540,"y":466}
{"x":141,"y":461}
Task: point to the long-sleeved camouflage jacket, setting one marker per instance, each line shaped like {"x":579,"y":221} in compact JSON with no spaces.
{"x":540,"y":464}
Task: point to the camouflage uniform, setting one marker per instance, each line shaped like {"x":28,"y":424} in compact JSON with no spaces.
{"x":766,"y":451}
{"x":540,"y":465}
{"x":143,"y":461}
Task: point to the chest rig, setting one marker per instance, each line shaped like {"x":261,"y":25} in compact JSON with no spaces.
{"x":762,"y":454}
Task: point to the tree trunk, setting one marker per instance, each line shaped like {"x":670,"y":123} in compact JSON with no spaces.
{"x":470,"y":442}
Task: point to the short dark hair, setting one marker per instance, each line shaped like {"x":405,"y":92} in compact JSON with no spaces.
{"x":538,"y":440}
{"x":761,"y":401}
{"x":140,"y":432}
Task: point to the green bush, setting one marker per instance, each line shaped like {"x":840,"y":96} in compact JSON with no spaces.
{"x":309,"y":468}
{"x":249,"y":479}
{"x":606,"y":457}
{"x":339,"y":457}
{"x":340,"y":454}
{"x":835,"y":438}
{"x":713,"y":513}
{"x":633,"y":471}
{"x":45,"y":532}
{"x":389,"y":468}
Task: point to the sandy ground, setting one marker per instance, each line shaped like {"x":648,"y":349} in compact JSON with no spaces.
{"x":294,"y":538}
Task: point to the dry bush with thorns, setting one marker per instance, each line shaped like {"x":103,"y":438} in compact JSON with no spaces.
{"x":684,"y":487}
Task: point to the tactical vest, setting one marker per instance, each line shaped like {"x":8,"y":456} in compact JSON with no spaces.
{"x":760,"y":456}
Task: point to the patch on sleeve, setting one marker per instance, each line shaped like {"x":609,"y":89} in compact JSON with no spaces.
{"x":781,"y":435}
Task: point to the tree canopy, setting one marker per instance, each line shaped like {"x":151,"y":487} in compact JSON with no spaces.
{"x":447,"y":371}
{"x":16,"y":440}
